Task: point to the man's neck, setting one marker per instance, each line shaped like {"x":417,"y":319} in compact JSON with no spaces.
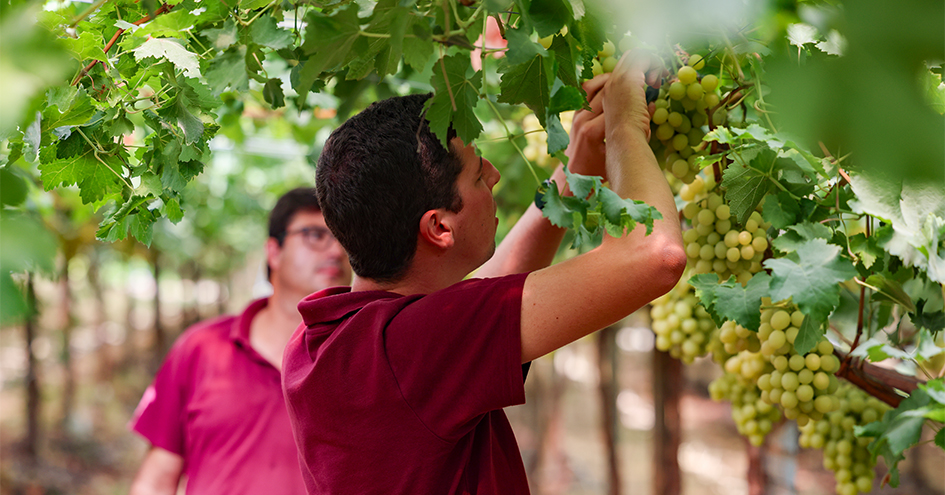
{"x":272,"y":327}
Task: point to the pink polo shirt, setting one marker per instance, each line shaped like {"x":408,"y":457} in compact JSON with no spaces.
{"x":403,"y":395}
{"x":218,"y":404}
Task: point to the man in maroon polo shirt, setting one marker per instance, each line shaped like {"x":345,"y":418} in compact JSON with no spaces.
{"x":215,"y":413}
{"x":396,"y":385}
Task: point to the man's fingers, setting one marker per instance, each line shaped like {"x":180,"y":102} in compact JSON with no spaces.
{"x":593,"y":86}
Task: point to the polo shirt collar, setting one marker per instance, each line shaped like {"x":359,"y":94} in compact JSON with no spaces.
{"x":239,"y":333}
{"x":336,"y":303}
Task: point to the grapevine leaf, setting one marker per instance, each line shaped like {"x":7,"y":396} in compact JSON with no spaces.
{"x":933,"y":321}
{"x":141,"y":225}
{"x":172,"y":210}
{"x":224,"y":37}
{"x":528,"y":83}
{"x":13,"y":188}
{"x":418,"y":52}
{"x":95,"y":177}
{"x":452,"y":79}
{"x":168,"y":24}
{"x":557,"y":137}
{"x":720,"y":134}
{"x":228,"y":70}
{"x":746,"y":186}
{"x":834,"y":45}
{"x":936,"y":390}
{"x":813,"y":164}
{"x":566,"y":98}
{"x":330,"y":40}
{"x":888,"y":290}
{"x":266,"y":32}
{"x":272,"y":93}
{"x":808,"y":335}
{"x":171,"y":50}
{"x":66,"y":107}
{"x":801,"y":34}
{"x":87,"y":46}
{"x":179,"y":112}
{"x":583,"y":185}
{"x":393,"y":18}
{"x":743,"y":304}
{"x":549,"y":16}
{"x":810,"y":276}
{"x":521,"y":47}
{"x":940,"y":439}
{"x":555,"y":210}
{"x":899,"y":429}
{"x":625,"y":213}
{"x":565,"y":56}
{"x":800,"y":234}
{"x":866,"y":249}
{"x":780,"y":210}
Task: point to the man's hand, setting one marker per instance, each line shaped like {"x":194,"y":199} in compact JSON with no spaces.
{"x":624,"y":96}
{"x":586,"y":151}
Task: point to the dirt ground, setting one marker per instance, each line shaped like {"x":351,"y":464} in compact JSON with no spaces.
{"x":93,"y":453}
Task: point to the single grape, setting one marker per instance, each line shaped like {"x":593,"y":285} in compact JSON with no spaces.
{"x":687,"y":75}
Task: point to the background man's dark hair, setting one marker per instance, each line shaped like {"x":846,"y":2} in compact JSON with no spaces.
{"x":298,"y":199}
{"x":377,"y":175}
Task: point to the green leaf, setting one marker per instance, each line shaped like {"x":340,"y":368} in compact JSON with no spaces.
{"x":521,"y":47}
{"x":810,"y":277}
{"x":746,"y":186}
{"x":141,"y":225}
{"x":800,"y":234}
{"x":66,"y":106}
{"x":528,"y":83}
{"x":808,"y":335}
{"x":169,"y":24}
{"x":801,"y":34}
{"x":565,"y":56}
{"x":728,"y":300}
{"x":899,"y":429}
{"x":780,"y":210}
{"x":566,"y":98}
{"x":549,"y":16}
{"x":225,"y":36}
{"x":722,"y":135}
{"x":171,"y":50}
{"x":266,"y":32}
{"x":866,"y":249}
{"x":452,"y":85}
{"x":555,"y":210}
{"x":330,"y":40}
{"x":272,"y":93}
{"x":418,"y":53}
{"x":933,"y":321}
{"x":940,"y":439}
{"x":12,"y":187}
{"x":228,"y":70}
{"x":936,"y":390}
{"x":95,"y":177}
{"x":888,"y":290}
{"x":583,"y":185}
{"x":87,"y":46}
{"x":172,"y":210}
{"x":557,"y":137}
{"x":623,"y":214}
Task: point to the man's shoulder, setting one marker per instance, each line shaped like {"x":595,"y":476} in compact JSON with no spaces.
{"x":207,"y":333}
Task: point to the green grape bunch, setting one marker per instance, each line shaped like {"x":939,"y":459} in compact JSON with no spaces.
{"x":715,"y":244}
{"x":753,"y":417}
{"x":803,"y":385}
{"x":682,"y":326}
{"x":679,"y":116}
{"x":845,"y":454}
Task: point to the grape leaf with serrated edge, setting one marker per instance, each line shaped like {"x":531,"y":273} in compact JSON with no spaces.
{"x":746,"y":186}
{"x":528,"y":83}
{"x":810,"y":277}
{"x":454,"y":86}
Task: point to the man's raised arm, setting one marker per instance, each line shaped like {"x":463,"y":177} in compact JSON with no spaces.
{"x":567,"y":301}
{"x":533,"y":241}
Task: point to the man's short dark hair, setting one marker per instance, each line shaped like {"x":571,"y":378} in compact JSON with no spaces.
{"x":377,"y":175}
{"x":298,"y":199}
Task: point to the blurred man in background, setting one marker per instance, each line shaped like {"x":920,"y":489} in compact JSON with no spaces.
{"x":215,"y":413}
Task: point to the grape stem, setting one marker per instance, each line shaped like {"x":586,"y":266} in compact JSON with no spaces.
{"x":882,"y":383}
{"x":162,"y":9}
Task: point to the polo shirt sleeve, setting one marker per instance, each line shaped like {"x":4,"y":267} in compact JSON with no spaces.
{"x":160,"y":416}
{"x":456,"y":353}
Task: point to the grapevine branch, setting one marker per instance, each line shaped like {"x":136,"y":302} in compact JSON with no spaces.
{"x":162,"y":9}
{"x":881,"y":383}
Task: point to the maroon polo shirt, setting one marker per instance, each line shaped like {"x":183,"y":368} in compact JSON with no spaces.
{"x":218,"y":404}
{"x":393,"y":394}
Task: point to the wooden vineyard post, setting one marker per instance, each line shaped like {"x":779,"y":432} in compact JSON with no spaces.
{"x":667,"y":428}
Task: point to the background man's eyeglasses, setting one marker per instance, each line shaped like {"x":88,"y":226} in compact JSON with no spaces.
{"x":317,"y":238}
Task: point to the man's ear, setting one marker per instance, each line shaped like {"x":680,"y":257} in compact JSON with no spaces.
{"x":273,"y":252}
{"x":436,"y":228}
